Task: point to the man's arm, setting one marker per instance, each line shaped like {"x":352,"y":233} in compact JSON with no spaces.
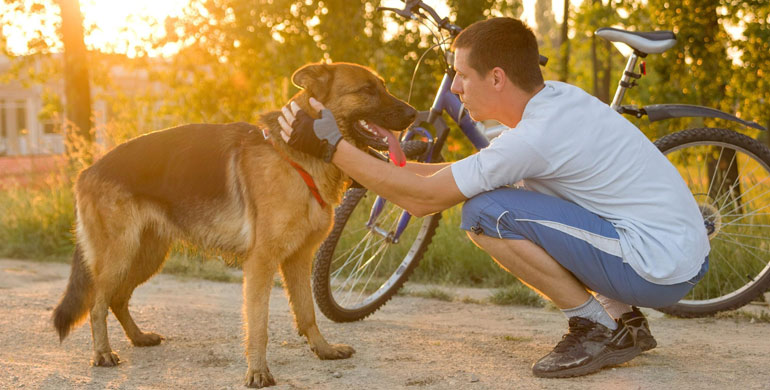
{"x":421,"y":189}
{"x":425,"y":169}
{"x":418,"y":194}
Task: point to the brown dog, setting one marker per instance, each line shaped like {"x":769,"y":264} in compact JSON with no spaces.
{"x":220,"y":186}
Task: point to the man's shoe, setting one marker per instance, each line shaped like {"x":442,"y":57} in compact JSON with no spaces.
{"x":586,"y":348}
{"x":639,"y":329}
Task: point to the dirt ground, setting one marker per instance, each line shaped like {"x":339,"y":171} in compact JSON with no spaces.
{"x":412,"y":343}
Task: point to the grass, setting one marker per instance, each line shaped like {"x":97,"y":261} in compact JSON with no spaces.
{"x":517,"y":294}
{"x":516,"y":339}
{"x":432,"y":293}
{"x":453,"y":259}
{"x":188,"y":262}
{"x":36,"y":224}
{"x":746,"y":316}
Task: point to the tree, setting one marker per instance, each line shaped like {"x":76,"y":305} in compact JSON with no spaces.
{"x":750,"y":84}
{"x":564,"y":44}
{"x":546,"y":24}
{"x":77,"y":86}
{"x":588,"y":18}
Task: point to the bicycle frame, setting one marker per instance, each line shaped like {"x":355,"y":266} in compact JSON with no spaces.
{"x":659,"y":112}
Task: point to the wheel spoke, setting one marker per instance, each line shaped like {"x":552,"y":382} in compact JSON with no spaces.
{"x":746,"y":248}
{"x":716,"y":169}
{"x":359,"y":264}
{"x":729,"y":176}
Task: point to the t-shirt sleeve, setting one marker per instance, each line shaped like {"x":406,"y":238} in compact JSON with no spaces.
{"x":506,"y":161}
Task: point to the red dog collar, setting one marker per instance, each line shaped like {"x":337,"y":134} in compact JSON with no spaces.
{"x":303,"y":173}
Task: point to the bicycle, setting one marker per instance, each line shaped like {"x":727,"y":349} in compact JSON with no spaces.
{"x":374,"y":245}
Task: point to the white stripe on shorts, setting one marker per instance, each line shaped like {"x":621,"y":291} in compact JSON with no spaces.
{"x":604,"y":244}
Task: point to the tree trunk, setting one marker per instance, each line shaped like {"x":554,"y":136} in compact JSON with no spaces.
{"x":77,"y":88}
{"x":564,"y":46}
{"x":605,"y":87}
{"x":595,"y":65}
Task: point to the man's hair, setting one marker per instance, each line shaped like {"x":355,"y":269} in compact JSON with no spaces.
{"x":506,"y":43}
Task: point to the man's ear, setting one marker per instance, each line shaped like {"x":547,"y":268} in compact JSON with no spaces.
{"x":316,"y":79}
{"x":498,"y":78}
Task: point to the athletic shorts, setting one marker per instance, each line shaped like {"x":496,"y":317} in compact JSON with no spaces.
{"x":579,"y":240}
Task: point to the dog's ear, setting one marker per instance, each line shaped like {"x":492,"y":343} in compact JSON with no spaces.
{"x":316,"y":79}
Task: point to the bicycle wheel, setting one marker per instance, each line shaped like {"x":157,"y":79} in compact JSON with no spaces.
{"x":358,"y":268}
{"x":729,"y":176}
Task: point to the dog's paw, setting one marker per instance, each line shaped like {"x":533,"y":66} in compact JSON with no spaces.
{"x":147,"y":339}
{"x":105,"y":359}
{"x":335,"y":351}
{"x":259,"y":378}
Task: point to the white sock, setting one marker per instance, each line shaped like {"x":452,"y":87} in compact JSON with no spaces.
{"x":592,"y":310}
{"x":614,"y":308}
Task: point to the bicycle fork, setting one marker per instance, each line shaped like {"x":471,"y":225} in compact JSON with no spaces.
{"x":379,"y":202}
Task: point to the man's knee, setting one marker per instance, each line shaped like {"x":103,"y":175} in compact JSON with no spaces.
{"x":475,"y":211}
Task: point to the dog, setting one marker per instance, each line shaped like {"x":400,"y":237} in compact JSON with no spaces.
{"x":238,"y":188}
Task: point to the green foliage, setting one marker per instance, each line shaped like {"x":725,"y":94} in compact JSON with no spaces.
{"x":36,"y":222}
{"x":751,"y":82}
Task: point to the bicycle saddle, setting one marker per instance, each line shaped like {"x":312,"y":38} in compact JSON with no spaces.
{"x":646,"y":42}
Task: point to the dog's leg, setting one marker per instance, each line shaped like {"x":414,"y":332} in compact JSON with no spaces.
{"x":119,"y":307}
{"x":258,"y":272}
{"x":148,"y":260}
{"x":110,"y":270}
{"x":103,"y":354}
{"x":296,"y":276}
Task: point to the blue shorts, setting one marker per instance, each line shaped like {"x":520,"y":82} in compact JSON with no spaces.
{"x":582,"y":242}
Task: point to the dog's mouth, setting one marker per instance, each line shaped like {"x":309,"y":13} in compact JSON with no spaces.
{"x":378,"y":137}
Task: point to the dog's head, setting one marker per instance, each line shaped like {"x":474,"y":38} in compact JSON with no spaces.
{"x":367,"y":114}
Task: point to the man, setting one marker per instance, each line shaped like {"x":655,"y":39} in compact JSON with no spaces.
{"x":602,"y":210}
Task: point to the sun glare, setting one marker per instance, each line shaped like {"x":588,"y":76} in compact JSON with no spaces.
{"x":126,"y":26}
{"x":116,"y":26}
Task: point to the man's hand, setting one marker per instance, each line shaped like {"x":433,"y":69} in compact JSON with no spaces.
{"x":318,"y":138}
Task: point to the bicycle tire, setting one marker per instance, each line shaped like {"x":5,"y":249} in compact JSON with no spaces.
{"x":739,"y":269}
{"x":324,"y":278}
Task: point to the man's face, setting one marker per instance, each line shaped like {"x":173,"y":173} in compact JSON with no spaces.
{"x":475,"y":90}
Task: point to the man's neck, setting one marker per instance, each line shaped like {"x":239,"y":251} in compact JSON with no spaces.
{"x":517,"y":102}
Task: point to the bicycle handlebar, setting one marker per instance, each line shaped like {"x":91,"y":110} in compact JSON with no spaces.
{"x":412,"y":9}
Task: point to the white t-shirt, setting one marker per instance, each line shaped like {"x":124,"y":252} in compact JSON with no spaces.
{"x":571,"y":145}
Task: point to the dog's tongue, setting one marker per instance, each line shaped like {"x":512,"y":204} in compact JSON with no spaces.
{"x":394,"y":147}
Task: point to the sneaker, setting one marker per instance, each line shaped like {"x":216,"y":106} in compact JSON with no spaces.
{"x":586,"y":348}
{"x":639,"y":329}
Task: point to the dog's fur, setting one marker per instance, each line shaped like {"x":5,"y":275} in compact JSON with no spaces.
{"x":218,"y":186}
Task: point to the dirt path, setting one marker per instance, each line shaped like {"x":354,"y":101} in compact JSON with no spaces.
{"x":413,"y":343}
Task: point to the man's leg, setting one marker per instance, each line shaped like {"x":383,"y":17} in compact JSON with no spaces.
{"x":614,"y":308}
{"x":594,"y":340}
{"x":537,"y":269}
{"x":525,"y":233}
{"x":632,"y":318}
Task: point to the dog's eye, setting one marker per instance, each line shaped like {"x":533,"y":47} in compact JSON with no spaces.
{"x":370,"y":89}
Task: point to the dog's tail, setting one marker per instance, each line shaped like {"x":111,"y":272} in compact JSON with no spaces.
{"x":75,"y":303}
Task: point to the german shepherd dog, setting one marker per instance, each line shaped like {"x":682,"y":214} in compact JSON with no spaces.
{"x":234,"y":187}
